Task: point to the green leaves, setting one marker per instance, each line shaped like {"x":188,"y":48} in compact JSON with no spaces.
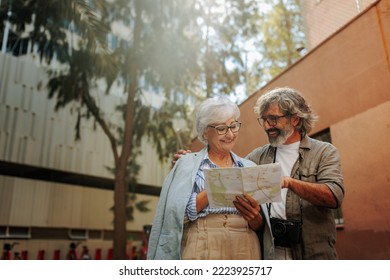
{"x":172,"y":52}
{"x":282,"y":33}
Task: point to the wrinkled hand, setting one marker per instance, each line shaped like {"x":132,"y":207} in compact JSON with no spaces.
{"x":286,"y":182}
{"x":250,"y":210}
{"x":247,"y":206}
{"x":178,"y":155}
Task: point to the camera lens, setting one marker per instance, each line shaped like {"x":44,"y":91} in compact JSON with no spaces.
{"x":279,"y":229}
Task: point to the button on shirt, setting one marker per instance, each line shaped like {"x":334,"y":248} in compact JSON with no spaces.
{"x":191,"y":213}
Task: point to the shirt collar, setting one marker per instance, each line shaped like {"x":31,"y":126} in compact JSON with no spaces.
{"x":236,"y":160}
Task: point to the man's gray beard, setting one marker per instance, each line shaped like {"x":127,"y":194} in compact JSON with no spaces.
{"x":282,"y":138}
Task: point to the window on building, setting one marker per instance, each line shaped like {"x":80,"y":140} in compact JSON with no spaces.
{"x":15,"y":232}
{"x":19,"y":232}
{"x":325,"y":136}
{"x":95,"y":234}
{"x":3,"y":232}
{"x":112,"y":41}
{"x":78,"y":234}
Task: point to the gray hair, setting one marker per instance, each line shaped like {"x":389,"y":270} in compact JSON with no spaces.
{"x":291,"y":102}
{"x":214,"y":110}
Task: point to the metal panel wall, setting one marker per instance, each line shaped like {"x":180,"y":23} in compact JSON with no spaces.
{"x":32,"y":133}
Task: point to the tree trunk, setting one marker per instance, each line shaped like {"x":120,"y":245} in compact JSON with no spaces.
{"x":119,"y":243}
{"x":120,"y":173}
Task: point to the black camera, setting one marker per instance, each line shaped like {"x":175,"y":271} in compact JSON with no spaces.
{"x":286,"y":232}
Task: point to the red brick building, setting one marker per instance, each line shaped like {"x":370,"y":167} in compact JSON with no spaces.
{"x":346,"y":79}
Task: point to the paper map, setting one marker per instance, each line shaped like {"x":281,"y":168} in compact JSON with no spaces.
{"x":262,"y":182}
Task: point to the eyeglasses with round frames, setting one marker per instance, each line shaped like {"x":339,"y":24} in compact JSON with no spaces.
{"x":271,"y":120}
{"x":223,"y":129}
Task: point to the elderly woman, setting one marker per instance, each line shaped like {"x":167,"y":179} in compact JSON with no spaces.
{"x":185,"y":226}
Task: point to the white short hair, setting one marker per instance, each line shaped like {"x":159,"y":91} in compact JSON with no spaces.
{"x":214,"y":110}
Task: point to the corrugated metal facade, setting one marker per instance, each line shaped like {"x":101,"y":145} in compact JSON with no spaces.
{"x":32,"y":133}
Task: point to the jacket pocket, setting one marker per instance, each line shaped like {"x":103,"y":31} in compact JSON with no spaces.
{"x":308,"y":175}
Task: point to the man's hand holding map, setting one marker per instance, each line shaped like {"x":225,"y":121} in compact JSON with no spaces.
{"x":262,"y":182}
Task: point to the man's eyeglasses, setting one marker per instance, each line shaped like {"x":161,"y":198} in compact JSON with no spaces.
{"x":223,"y":129}
{"x":271,"y":120}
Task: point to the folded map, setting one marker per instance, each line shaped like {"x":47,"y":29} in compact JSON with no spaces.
{"x":262,"y":182}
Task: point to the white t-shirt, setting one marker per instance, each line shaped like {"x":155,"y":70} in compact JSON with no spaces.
{"x":286,"y":155}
